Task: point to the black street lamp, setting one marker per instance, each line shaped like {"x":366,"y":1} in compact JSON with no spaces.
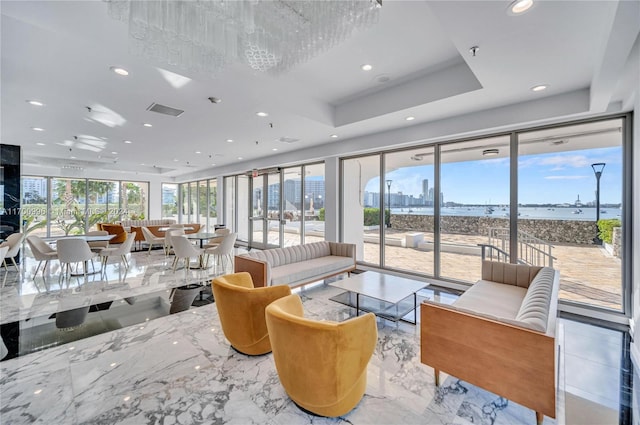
{"x":389,"y":201}
{"x":597,"y":169}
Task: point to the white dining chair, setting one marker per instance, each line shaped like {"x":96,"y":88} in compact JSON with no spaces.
{"x":41,"y":251}
{"x":222,"y":251}
{"x":183,"y":248}
{"x":13,"y":241}
{"x":151,"y":239}
{"x":213,"y":242}
{"x":74,"y":250}
{"x":175,"y":231}
{"x":122,"y":250}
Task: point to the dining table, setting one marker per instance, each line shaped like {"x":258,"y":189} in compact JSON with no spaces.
{"x":203,"y":236}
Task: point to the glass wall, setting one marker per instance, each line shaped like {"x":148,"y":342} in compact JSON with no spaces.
{"x":474,"y":202}
{"x":450,"y":205}
{"x":35,"y":193}
{"x":203,"y":204}
{"x":185,"y":212}
{"x":64,"y":206}
{"x":314,"y":203}
{"x":212,"y":212}
{"x":170,"y":201}
{"x":135,"y":200}
{"x":567,"y":219}
{"x":230,"y":202}
{"x":292,"y":208}
{"x":361,"y":204}
{"x":409,"y":209}
{"x":242,"y":193}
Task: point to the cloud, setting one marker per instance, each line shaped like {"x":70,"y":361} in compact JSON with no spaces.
{"x":558,"y":161}
{"x":566,"y":177}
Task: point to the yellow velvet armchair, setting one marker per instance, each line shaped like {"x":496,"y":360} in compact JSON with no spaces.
{"x":322,"y":365}
{"x":241,"y":310}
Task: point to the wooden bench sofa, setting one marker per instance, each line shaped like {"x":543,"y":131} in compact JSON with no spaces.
{"x":499,"y":335}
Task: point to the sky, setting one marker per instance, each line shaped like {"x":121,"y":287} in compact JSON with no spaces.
{"x":554,"y":178}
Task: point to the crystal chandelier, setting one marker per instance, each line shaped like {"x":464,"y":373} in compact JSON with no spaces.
{"x":267,"y":35}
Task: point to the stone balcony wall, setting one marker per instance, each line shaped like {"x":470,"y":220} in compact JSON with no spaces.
{"x":553,"y":231}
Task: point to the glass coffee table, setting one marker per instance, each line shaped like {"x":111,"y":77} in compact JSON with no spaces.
{"x":387,"y":296}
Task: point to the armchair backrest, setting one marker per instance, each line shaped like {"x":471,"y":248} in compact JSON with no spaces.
{"x":339,"y":353}
{"x":241,"y":310}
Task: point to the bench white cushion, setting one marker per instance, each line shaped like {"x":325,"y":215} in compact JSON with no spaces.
{"x":304,"y":270}
{"x":492,"y":299}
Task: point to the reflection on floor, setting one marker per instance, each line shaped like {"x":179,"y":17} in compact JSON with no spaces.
{"x":180,"y":369}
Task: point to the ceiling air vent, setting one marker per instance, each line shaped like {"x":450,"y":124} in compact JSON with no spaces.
{"x":166,"y":110}
{"x":287,"y":140}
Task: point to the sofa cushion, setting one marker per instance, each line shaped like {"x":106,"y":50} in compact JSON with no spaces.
{"x":492,"y":299}
{"x":305,"y":270}
{"x":534,"y":310}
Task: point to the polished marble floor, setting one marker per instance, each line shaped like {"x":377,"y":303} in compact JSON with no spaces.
{"x":180,"y":369}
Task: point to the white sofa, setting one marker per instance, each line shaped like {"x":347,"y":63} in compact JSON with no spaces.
{"x":297,"y":265}
{"x":499,"y":335}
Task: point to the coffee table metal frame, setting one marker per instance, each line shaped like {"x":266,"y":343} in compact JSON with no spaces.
{"x":387,"y":288}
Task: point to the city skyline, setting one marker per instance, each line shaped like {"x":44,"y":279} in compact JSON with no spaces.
{"x":555,"y":178}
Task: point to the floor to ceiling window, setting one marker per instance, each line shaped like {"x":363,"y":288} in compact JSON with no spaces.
{"x":563,"y":175}
{"x":35,"y":193}
{"x":448,"y":205}
{"x":229,"y":202}
{"x":292,"y":191}
{"x":474,"y":205}
{"x":314,"y":196}
{"x":277,"y":207}
{"x":170,"y":201}
{"x":409,"y":209}
{"x":361,"y":217}
{"x":56,"y":206}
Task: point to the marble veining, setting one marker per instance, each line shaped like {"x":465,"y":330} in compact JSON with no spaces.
{"x":180,"y":369}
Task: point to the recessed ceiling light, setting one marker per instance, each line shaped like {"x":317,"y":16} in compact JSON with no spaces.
{"x":37,"y":129}
{"x":334,"y":136}
{"x":490,"y":152}
{"x":176,"y":160}
{"x":239,"y":157}
{"x":147,"y":124}
{"x":40,"y":144}
{"x":274,"y":149}
{"x":410,"y":118}
{"x":35,"y":103}
{"x":366,"y":67}
{"x":128,"y":142}
{"x":72,"y":157}
{"x":119,"y":71}
{"x":142,"y":163}
{"x":198,"y":152}
{"x":213,"y":165}
{"x":38,"y":391}
{"x":262,"y":114}
{"x":539,"y":87}
{"x":520,"y":6}
{"x":114,"y":153}
{"x":229,"y":140}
